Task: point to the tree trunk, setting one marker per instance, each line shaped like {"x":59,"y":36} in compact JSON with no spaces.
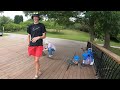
{"x":55,"y":30}
{"x":92,"y":33}
{"x":91,"y":36}
{"x":59,"y":30}
{"x":107,"y":40}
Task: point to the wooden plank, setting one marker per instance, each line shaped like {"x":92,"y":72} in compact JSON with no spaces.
{"x":46,"y":73}
{"x":77,"y":72}
{"x":55,"y":70}
{"x":51,"y":73}
{"x":59,"y":71}
{"x":74,"y":76}
{"x":17,"y":64}
{"x":47,"y":68}
{"x":14,"y":67}
{"x":82,"y":73}
{"x":20,"y":69}
{"x":63,"y":71}
{"x":27,"y":71}
{"x":87,"y":75}
{"x":66,"y":74}
{"x":31,"y":70}
{"x":70,"y":72}
{"x":7,"y":72}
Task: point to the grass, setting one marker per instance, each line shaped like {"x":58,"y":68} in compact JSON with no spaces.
{"x":21,"y":32}
{"x":115,"y":50}
{"x":69,"y":34}
{"x":112,"y":43}
{"x":64,"y":34}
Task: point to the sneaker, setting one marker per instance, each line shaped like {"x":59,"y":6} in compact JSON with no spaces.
{"x":50,"y":55}
{"x":36,"y":76}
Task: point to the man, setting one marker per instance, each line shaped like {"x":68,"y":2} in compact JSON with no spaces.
{"x":36,"y":34}
{"x":50,"y":47}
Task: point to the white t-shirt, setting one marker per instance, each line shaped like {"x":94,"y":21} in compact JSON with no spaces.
{"x":51,"y":45}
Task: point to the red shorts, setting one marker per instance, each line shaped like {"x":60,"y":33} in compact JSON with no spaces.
{"x":35,"y":50}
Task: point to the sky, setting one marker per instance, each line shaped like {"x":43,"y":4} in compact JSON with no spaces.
{"x":12,"y":14}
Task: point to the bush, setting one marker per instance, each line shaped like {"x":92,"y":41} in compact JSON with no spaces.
{"x":77,"y":26}
{"x":25,"y":24}
{"x":84,"y":28}
{"x":52,"y":25}
{"x":11,"y":27}
{"x":49,"y":24}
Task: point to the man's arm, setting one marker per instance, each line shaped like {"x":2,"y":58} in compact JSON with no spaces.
{"x":43,"y":36}
{"x":28,"y":39}
{"x":39,"y":37}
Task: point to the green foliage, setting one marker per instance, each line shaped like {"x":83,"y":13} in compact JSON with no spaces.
{"x":104,"y":24}
{"x":115,"y":50}
{"x":18,"y":19}
{"x":77,"y":26}
{"x":52,"y":25}
{"x":25,"y":24}
{"x":5,"y":20}
{"x":49,"y":24}
{"x":60,"y":17}
{"x":84,"y":28}
{"x":11,"y":27}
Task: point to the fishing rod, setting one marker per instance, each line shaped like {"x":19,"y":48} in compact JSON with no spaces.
{"x":69,"y":62}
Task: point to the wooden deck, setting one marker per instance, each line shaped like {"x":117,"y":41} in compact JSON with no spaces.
{"x":15,"y":63}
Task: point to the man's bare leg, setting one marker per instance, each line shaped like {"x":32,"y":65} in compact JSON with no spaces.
{"x":37,"y":66}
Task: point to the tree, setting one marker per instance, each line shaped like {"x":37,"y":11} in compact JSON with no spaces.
{"x":104,"y":24}
{"x":21,"y":18}
{"x":4,"y":20}
{"x":109,"y":25}
{"x":90,"y":19}
{"x":18,"y":19}
{"x":60,"y":17}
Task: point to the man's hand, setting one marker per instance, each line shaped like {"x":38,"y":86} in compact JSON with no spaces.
{"x":35,"y":39}
{"x":29,"y":44}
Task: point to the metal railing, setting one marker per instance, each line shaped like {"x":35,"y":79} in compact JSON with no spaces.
{"x":107,"y":64}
